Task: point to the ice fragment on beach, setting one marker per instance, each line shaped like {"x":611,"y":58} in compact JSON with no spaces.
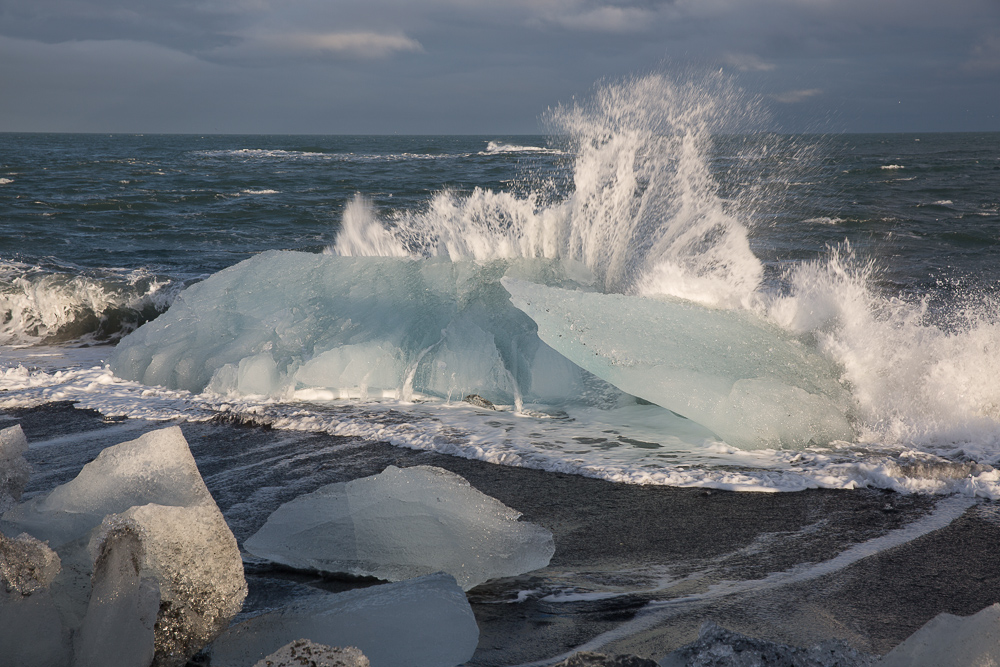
{"x":123,"y":605}
{"x":155,"y":468}
{"x":14,"y":469}
{"x":403,"y":523}
{"x":304,"y":652}
{"x":149,"y":489}
{"x":718,"y":647}
{"x":749,"y":382}
{"x":421,"y":622}
{"x":26,"y":564}
{"x":327,"y":326}
{"x":31,"y":630}
{"x":192,"y":555}
{"x":951,"y":641}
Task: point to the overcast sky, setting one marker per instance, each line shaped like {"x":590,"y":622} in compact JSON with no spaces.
{"x":484,"y":66}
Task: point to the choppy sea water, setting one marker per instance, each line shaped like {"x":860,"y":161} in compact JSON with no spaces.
{"x":733,"y":309}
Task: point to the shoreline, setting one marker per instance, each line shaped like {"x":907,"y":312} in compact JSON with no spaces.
{"x":627,"y":556}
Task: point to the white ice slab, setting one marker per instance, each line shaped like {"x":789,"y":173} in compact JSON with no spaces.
{"x":283,"y":322}
{"x":749,"y":382}
{"x":403,"y":523}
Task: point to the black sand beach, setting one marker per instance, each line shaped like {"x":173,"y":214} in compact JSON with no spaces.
{"x":637,"y":569}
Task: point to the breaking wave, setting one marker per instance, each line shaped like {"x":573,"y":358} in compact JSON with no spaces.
{"x":59,"y":304}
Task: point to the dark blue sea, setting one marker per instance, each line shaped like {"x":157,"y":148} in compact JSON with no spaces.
{"x":640,"y":297}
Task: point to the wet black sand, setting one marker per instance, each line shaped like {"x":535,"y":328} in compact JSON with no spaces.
{"x":632,"y":544}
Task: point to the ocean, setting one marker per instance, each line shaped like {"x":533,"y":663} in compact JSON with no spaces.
{"x":645,"y":295}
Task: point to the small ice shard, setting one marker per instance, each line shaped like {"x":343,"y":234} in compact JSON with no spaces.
{"x":123,"y":605}
{"x":14,"y":469}
{"x":156,"y":468}
{"x":422,"y":622}
{"x":304,"y":652}
{"x":31,"y":630}
{"x":27,"y":565}
{"x":192,"y":555}
{"x":951,"y":641}
{"x":753,"y":384}
{"x":403,"y":523}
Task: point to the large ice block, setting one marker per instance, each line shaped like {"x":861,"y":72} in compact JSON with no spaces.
{"x":193,"y":557}
{"x":422,"y":622}
{"x":154,"y":468}
{"x":283,"y":322}
{"x":14,"y":469}
{"x":403,"y":523}
{"x":751,"y":383}
{"x":951,"y":641}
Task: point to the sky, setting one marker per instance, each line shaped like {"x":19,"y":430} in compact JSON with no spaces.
{"x":478,"y":66}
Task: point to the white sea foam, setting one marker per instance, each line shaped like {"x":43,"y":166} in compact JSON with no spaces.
{"x":6,"y":181}
{"x":262,"y":191}
{"x":494,"y":147}
{"x":892,"y":166}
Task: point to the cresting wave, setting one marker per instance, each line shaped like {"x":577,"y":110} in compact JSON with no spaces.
{"x":59,"y":304}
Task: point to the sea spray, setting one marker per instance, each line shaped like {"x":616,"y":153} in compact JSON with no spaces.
{"x":643,"y":214}
{"x":915,"y":380}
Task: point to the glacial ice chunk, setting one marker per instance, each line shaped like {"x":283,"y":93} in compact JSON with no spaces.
{"x":951,"y":641}
{"x":749,"y":382}
{"x":286,"y":322}
{"x":31,"y":629}
{"x":421,"y":622}
{"x":155,"y":468}
{"x":193,"y":557}
{"x":140,"y":504}
{"x":123,"y":606}
{"x":14,"y":468}
{"x":403,"y":523}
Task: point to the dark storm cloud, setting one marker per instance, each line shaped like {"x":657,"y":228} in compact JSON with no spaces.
{"x":471,"y":65}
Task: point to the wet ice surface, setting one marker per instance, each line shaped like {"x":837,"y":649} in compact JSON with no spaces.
{"x":621,"y":550}
{"x":401,"y":524}
{"x":422,"y":622}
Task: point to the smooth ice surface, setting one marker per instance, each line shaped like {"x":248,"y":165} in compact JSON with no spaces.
{"x":192,"y":555}
{"x":14,"y":469}
{"x":123,"y":605}
{"x":951,"y":641}
{"x":363,"y":327}
{"x":422,"y":622}
{"x":749,"y":382}
{"x":404,"y":523}
{"x":154,"y":468}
